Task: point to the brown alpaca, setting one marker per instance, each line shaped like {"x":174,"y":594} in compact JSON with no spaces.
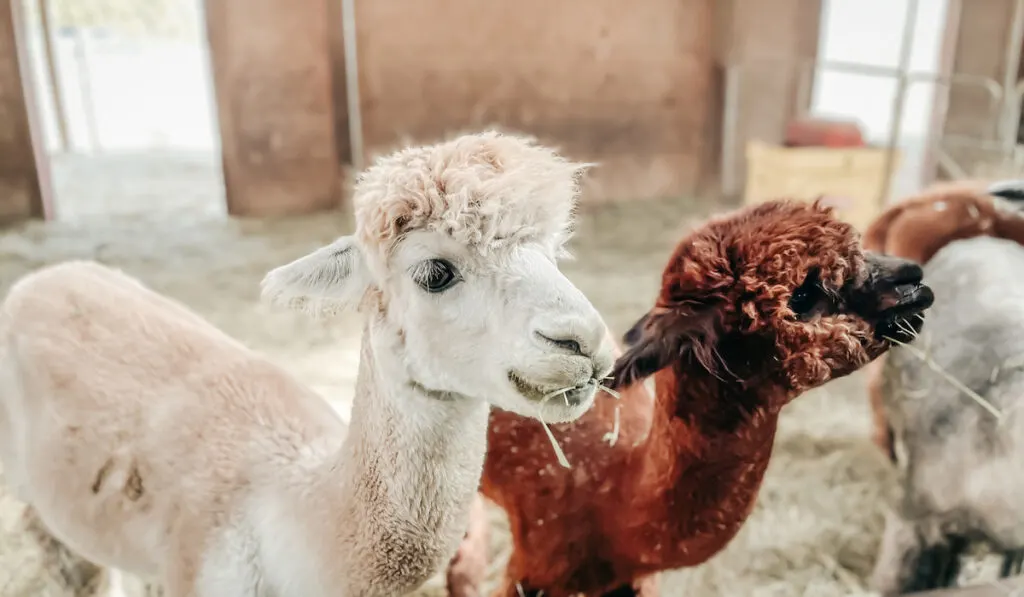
{"x":755,"y":308}
{"x":917,"y":227}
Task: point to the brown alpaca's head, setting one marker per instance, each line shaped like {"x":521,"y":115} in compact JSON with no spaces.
{"x":917,"y":227}
{"x":781,"y":294}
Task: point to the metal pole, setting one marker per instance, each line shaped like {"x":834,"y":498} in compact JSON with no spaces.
{"x":85,"y":87}
{"x":906,"y":47}
{"x":43,"y":205}
{"x":1018,"y":101}
{"x":355,"y":118}
{"x":56,"y":91}
{"x":805,"y":87}
{"x":1010,"y":110}
{"x":730,"y":116}
{"x":947,"y":163}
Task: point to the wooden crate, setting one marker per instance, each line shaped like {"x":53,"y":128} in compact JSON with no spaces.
{"x":851,"y":177}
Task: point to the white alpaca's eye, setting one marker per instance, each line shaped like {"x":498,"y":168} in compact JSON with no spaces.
{"x":436,"y":275}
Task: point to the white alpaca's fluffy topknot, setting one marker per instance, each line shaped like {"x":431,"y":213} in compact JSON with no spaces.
{"x":485,"y":190}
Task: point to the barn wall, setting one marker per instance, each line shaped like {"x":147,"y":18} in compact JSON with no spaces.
{"x":623,"y":83}
{"x":20,"y":191}
{"x":771,"y":40}
{"x":272,"y":77}
{"x":338,"y":83}
{"x":636,"y":87}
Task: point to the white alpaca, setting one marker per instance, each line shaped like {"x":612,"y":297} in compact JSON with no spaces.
{"x":147,"y":440}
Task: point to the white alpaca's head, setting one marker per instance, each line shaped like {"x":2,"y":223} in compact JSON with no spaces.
{"x":455,"y":251}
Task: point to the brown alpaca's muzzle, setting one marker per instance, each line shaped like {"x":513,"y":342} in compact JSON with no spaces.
{"x":892,"y":297}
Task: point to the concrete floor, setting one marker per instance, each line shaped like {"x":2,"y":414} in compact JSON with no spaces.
{"x":819,"y":516}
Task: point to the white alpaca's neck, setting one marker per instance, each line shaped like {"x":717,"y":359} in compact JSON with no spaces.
{"x":392,"y":503}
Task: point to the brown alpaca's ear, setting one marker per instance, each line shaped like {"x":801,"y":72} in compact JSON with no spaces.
{"x":660,"y":339}
{"x":1009,"y":223}
{"x":875,"y":237}
{"x":635,"y":332}
{"x":643,"y":359}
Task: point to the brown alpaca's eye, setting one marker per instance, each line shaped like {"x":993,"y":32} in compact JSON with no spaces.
{"x":806,"y":300}
{"x":436,"y":275}
{"x":802,"y":301}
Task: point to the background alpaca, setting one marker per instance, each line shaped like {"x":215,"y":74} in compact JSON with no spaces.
{"x":919,"y":226}
{"x":742,"y":325}
{"x":148,"y":440}
{"x":960,"y":466}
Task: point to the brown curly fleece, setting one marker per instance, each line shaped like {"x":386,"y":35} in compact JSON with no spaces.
{"x":729,"y":344}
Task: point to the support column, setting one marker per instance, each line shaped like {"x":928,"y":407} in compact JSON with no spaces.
{"x":769,"y":39}
{"x":341,"y":122}
{"x":271,"y":64}
{"x":21,"y":196}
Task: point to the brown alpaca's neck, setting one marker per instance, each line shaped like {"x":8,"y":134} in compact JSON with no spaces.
{"x":1010,"y":228}
{"x":703,"y":464}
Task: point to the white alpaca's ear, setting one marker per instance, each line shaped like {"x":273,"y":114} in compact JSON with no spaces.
{"x":325,"y":282}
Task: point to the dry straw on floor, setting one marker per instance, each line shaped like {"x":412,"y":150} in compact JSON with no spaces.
{"x":819,"y":516}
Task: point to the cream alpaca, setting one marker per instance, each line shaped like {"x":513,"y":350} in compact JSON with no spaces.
{"x":146,"y":439}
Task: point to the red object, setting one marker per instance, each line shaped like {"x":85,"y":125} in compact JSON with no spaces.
{"x":812,"y":131}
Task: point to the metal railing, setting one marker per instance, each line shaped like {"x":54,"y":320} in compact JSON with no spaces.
{"x":1005,"y":108}
{"x":733,"y":89}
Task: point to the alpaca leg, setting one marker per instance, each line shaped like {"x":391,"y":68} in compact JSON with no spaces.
{"x":468,"y":569}
{"x":511,"y":588}
{"x":515,"y":588}
{"x":179,"y":586}
{"x":1013,"y":562}
{"x":623,"y":591}
{"x":937,"y":567}
{"x":898,"y":554}
{"x":956,"y":546}
{"x":881,"y":430}
{"x":73,"y":575}
{"x":648,"y":586}
{"x":132,"y":586}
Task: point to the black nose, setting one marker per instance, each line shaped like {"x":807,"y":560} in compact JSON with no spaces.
{"x":894,"y":270}
{"x":908,"y":272}
{"x":916,"y":297}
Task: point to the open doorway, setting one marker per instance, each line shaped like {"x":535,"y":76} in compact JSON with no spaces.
{"x":125,"y":104}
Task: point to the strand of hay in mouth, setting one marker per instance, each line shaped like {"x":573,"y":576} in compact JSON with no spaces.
{"x":613,"y":436}
{"x":611,"y":392}
{"x":559,"y":454}
{"x":956,"y":383}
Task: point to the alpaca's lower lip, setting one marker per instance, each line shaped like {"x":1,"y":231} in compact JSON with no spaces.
{"x":903,"y":321}
{"x":902,"y":327}
{"x":571,"y":397}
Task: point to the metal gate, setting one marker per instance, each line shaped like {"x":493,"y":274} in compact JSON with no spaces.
{"x":1002,"y":120}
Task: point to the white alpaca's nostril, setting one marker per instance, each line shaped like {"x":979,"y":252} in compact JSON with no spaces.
{"x":578,"y":331}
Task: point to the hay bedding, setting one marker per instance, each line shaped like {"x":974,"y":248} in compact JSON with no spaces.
{"x":819,"y":517}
